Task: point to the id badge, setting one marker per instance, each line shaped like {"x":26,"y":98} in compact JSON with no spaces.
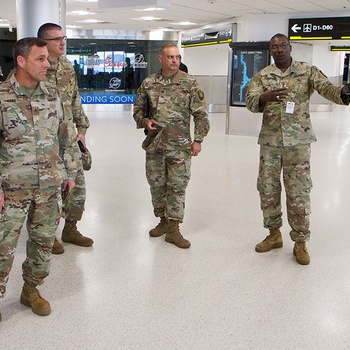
{"x":290,"y":107}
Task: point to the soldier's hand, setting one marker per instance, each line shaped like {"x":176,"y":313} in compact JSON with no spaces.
{"x":275,"y":95}
{"x":195,"y":148}
{"x":68,"y":185}
{"x":81,"y":137}
{"x":151,"y":124}
{"x":2,"y":201}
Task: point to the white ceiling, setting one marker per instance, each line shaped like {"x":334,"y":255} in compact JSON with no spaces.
{"x":198,"y":12}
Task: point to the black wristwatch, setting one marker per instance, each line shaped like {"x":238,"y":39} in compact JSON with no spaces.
{"x":347,"y":89}
{"x":198,"y":141}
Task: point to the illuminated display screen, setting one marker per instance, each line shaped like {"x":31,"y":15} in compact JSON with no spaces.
{"x":245,"y":64}
{"x":248,"y":58}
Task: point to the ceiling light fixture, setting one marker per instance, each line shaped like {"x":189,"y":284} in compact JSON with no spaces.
{"x":133,"y":3}
{"x":91,"y":21}
{"x":150,"y":18}
{"x":83,"y":13}
{"x":185,"y":24}
{"x":149,"y":9}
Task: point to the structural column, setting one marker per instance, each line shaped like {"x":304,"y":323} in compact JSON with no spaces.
{"x":31,"y":14}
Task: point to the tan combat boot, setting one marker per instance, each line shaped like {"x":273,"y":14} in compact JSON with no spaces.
{"x":301,"y":253}
{"x":174,"y":236}
{"x":70,"y":234}
{"x":160,"y":229}
{"x":31,"y":297}
{"x":272,"y":241}
{"x":57,"y":247}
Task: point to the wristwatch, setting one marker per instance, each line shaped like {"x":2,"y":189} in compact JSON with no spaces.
{"x":347,"y":89}
{"x":198,"y":141}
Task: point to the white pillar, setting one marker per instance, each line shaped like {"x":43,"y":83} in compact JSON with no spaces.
{"x":31,"y":14}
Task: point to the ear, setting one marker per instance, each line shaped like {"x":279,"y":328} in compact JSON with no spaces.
{"x":21,"y":61}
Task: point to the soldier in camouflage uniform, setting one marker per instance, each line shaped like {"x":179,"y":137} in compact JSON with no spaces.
{"x":62,"y":75}
{"x":281,"y":92}
{"x":168,"y":99}
{"x":32,"y":133}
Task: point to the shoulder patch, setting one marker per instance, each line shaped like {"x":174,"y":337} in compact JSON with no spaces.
{"x":201,"y":95}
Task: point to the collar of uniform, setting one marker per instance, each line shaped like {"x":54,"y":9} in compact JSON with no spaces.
{"x":174,"y":79}
{"x":293,"y":67}
{"x":275,"y":70}
{"x":21,"y":90}
{"x":54,"y":65}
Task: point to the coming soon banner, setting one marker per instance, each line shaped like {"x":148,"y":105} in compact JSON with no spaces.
{"x":107,"y":99}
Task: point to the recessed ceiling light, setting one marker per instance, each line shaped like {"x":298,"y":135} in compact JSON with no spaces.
{"x":91,"y":21}
{"x":146,"y":19}
{"x":82,"y":13}
{"x":150,"y":18}
{"x":185,"y":24}
{"x":150,"y":9}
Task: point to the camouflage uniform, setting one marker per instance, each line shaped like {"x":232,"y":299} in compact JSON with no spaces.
{"x":32,"y":133}
{"x":62,"y":75}
{"x":285,"y":142}
{"x":171,"y":101}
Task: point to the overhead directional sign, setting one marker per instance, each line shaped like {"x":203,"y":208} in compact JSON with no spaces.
{"x":327,"y":28}
{"x":219,"y":34}
{"x":340,"y":48}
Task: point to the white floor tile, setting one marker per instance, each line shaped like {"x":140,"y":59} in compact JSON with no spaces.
{"x":133,"y":292}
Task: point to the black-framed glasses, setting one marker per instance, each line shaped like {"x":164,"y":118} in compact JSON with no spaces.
{"x":59,"y":38}
{"x":275,"y":47}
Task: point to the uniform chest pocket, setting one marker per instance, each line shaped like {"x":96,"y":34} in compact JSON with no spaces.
{"x":15,"y":123}
{"x":52,"y":124}
{"x":66,"y":83}
{"x":175,"y":97}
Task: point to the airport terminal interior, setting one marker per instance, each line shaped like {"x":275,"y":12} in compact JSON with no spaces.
{"x":130,"y":291}
{"x":133,"y":292}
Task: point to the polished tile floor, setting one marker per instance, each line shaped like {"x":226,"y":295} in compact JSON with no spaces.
{"x":133,"y":292}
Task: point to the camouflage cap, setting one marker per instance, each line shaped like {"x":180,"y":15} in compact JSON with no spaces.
{"x":85,"y":156}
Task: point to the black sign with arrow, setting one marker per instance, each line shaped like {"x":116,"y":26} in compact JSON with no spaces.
{"x":327,"y":28}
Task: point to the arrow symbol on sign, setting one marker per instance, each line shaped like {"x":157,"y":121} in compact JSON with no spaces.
{"x":295,"y":28}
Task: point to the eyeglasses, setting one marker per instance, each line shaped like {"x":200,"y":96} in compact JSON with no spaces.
{"x":59,"y":38}
{"x":275,"y":47}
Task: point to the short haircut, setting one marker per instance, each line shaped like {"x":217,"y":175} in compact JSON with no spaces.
{"x":42,"y":31}
{"x":279,"y":35}
{"x":165,"y":46}
{"x":22,"y":47}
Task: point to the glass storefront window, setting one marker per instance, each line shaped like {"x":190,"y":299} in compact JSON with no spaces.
{"x":112,"y":67}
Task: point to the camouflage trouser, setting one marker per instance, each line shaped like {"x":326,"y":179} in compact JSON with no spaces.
{"x":295,"y":162}
{"x":168,"y":175}
{"x":73,"y":204}
{"x":41,"y":208}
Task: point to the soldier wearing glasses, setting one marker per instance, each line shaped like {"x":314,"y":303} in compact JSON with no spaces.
{"x":61,"y":73}
{"x":282,"y":92}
